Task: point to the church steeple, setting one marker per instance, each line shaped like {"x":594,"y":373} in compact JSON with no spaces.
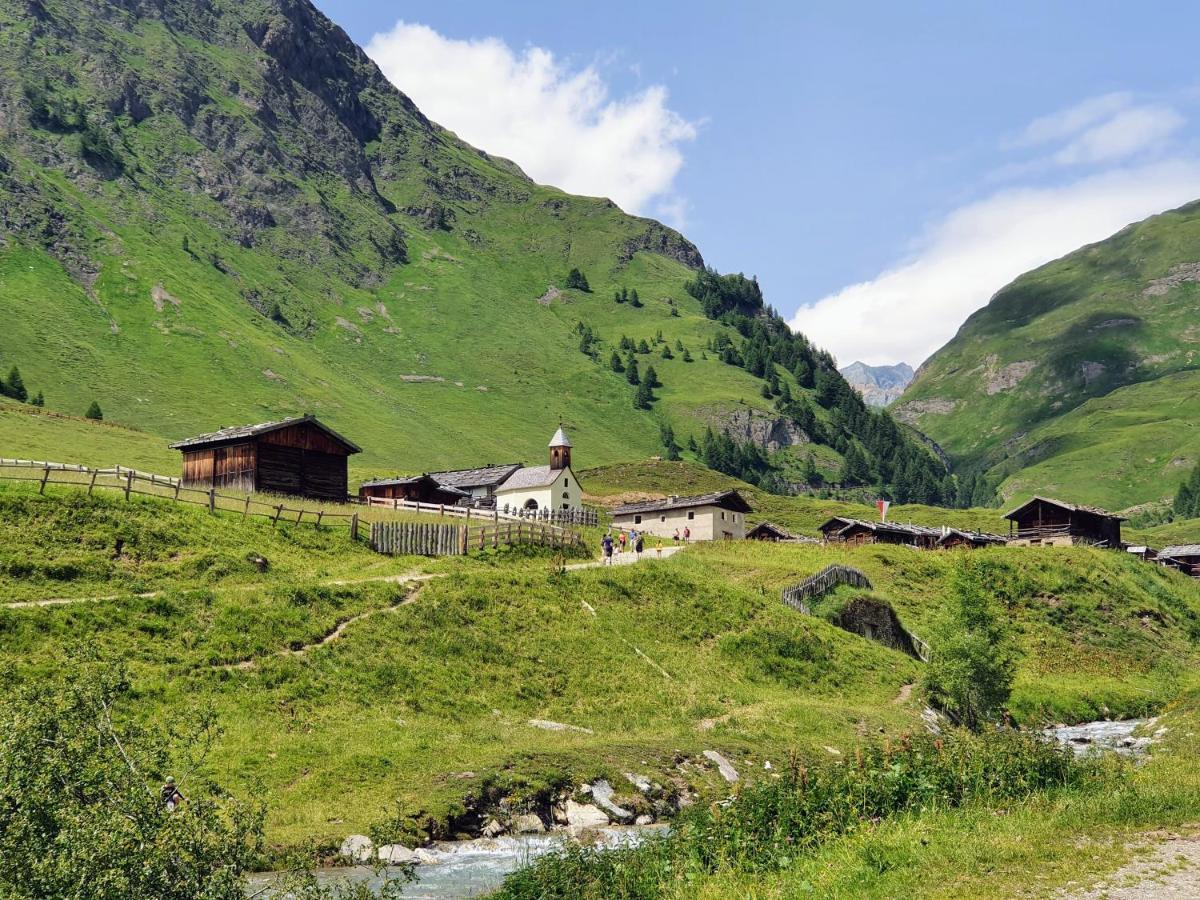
{"x":560,"y":450}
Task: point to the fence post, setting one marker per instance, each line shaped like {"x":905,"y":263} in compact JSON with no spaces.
{"x":354,"y":526}
{"x":178,"y":485}
{"x":212,"y":500}
{"x":45,"y":478}
{"x":278,"y":513}
{"x":92,"y":483}
{"x":128,"y":483}
{"x":246,"y":510}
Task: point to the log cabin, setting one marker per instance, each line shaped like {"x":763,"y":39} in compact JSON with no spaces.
{"x":1184,"y":557}
{"x":840,"y":530}
{"x":416,"y":488}
{"x":298,"y":456}
{"x":957,"y":538}
{"x":769,"y":531}
{"x":1053,"y":523}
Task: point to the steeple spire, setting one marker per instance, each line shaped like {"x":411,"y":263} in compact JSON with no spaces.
{"x":560,"y":450}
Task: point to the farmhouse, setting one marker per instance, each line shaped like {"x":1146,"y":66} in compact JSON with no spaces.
{"x":416,"y":488}
{"x":840,"y":530}
{"x":1185,"y":557}
{"x":1053,"y":523}
{"x":552,"y":487}
{"x":709,"y":516}
{"x":478,"y":484}
{"x":299,"y":456}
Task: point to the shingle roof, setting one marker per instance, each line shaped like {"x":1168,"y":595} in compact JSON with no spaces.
{"x":1073,"y":507}
{"x":783,"y":533}
{"x":979,"y":537}
{"x":560,"y":439}
{"x":727,"y":499}
{"x":240,"y":432}
{"x":1180,"y":550}
{"x":530,"y":477}
{"x":413,"y":479}
{"x":483,"y":476}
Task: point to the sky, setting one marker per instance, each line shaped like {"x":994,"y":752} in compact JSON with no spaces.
{"x":882,"y":168}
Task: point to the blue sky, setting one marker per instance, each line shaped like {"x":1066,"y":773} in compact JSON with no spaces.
{"x":883,"y":168}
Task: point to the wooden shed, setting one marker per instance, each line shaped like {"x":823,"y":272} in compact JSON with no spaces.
{"x":1046,"y":522}
{"x":298,"y":456}
{"x":953,"y":538}
{"x":1184,"y":557}
{"x":417,"y":488}
{"x":769,"y":531}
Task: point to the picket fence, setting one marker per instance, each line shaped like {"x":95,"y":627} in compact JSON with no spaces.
{"x":476,"y":513}
{"x":420,"y":539}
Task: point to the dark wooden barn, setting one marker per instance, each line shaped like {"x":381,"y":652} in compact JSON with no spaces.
{"x":769,"y":531}
{"x":1184,"y":557}
{"x":1046,"y":522}
{"x":956,"y":538}
{"x":298,"y":456}
{"x":855,"y":531}
{"x":417,"y":488}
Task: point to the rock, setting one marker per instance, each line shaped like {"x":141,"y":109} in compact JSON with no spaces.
{"x":724,"y":766}
{"x":423,"y":856}
{"x":769,"y":432}
{"x":492,"y":828}
{"x":357,"y":848}
{"x":602,"y":793}
{"x":585,"y":815}
{"x":644,"y":820}
{"x":641,"y":782}
{"x":558,"y":726}
{"x":395,"y":854}
{"x":528,"y":824}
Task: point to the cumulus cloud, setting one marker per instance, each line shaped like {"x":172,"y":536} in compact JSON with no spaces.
{"x":913,"y":308}
{"x":1128,"y":132}
{"x":562,"y":126}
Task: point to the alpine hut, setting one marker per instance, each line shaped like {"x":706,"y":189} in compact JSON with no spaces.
{"x":298,"y":456}
{"x":1053,"y":523}
{"x":415,"y":488}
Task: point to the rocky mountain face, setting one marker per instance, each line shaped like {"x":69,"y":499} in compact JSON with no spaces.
{"x":1079,"y":379}
{"x":879,"y":385}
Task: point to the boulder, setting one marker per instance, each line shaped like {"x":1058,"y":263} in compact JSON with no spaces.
{"x":421,"y":855}
{"x":641,"y":782}
{"x":357,"y":848}
{"x":585,"y":815}
{"x":644,"y":820}
{"x":528,"y":824}
{"x":492,"y":828}
{"x":602,"y":793}
{"x":724,"y":766}
{"x":395,"y":854}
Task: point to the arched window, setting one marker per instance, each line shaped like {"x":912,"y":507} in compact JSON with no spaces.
{"x":531,"y":504}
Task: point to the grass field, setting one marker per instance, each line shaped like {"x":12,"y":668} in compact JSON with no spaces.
{"x":386,"y":718}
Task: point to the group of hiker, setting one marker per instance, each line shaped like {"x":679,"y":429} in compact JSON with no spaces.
{"x":635,"y":542}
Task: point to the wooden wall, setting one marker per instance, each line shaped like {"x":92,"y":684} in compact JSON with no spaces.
{"x":306,"y":473}
{"x":304,"y":437}
{"x":231,"y":467}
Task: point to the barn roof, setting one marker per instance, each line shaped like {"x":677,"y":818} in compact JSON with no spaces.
{"x":413,"y":479}
{"x":1071,"y":507}
{"x":976,"y":537}
{"x":772,"y":528}
{"x":1180,"y":550}
{"x":483,"y":476}
{"x":530,"y":477}
{"x":242,"y":432}
{"x":731,"y":500}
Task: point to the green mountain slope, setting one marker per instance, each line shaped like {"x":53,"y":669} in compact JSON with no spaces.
{"x":215,"y":212}
{"x":1081,"y":378}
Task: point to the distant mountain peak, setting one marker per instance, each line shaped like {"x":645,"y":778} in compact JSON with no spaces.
{"x":879,"y":385}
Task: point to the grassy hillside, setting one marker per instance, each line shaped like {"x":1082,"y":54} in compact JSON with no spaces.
{"x":1079,"y":378}
{"x":410,"y":696}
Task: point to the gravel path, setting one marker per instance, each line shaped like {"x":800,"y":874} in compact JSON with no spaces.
{"x":1170,"y":870}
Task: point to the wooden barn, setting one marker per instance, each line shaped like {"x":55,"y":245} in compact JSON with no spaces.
{"x":1184,"y":557}
{"x":299,"y":456}
{"x":417,"y":488}
{"x":1053,"y":523}
{"x":840,"y":530}
{"x":769,"y":531}
{"x":956,"y":538}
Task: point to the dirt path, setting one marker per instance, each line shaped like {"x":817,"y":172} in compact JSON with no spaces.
{"x":1170,"y":870}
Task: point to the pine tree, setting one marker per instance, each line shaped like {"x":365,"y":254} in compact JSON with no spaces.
{"x":631,"y":370}
{"x":615,"y":362}
{"x":624,"y":295}
{"x":679,"y":345}
{"x":766,"y":391}
{"x":669,"y":444}
{"x":692,"y":445}
{"x":577,"y":281}
{"x":774,"y":384}
{"x":643,"y":347}
{"x":651,"y":378}
{"x":39,"y":400}
{"x":854,"y":467}
{"x":687,"y":357}
{"x":93,"y":412}
{"x":666,"y":352}
{"x":617,"y":298}
{"x":658,"y":338}
{"x":634,"y":300}
{"x":643,"y":397}
{"x":785,"y":395}
{"x":15,"y":386}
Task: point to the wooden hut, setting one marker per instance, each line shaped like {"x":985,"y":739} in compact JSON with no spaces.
{"x":416,"y":488}
{"x":957,"y":538}
{"x":1184,"y":557}
{"x":298,"y":456}
{"x":856,"y":531}
{"x":769,"y":531}
{"x":1053,"y":523}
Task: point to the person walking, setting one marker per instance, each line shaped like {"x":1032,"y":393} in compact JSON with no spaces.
{"x":675,"y":537}
{"x":687,"y":534}
{"x":658,"y":548}
{"x":621,"y":538}
{"x":169,"y":794}
{"x":606,"y":546}
{"x":638,"y":545}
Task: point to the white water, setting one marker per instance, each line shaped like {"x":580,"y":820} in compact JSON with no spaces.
{"x":472,"y":868}
{"x":1097,"y":737}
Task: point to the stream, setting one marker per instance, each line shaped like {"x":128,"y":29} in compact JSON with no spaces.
{"x":1098,"y":737}
{"x":472,"y":868}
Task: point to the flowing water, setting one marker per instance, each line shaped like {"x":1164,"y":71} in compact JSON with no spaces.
{"x":472,"y":868}
{"x":1098,"y":737}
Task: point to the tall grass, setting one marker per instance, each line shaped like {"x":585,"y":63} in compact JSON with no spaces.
{"x":768,"y":827}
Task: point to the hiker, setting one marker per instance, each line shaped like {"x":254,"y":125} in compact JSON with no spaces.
{"x":606,"y":543}
{"x":639,"y":545}
{"x":621,"y":537}
{"x":169,"y":794}
{"x":687,"y":534}
{"x":658,"y":549}
{"x":675,"y":537}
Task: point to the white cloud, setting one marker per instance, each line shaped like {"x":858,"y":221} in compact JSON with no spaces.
{"x":561,"y":126}
{"x":910,"y":310}
{"x":1063,"y":124}
{"x":1128,"y":132}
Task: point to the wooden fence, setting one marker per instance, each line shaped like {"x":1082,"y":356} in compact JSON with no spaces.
{"x":472,"y":513}
{"x":434,"y":539}
{"x":130,"y":482}
{"x":827,"y":579}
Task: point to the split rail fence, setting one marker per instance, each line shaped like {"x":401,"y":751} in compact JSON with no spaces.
{"x":130,"y":482}
{"x":826,"y":580}
{"x":420,"y":539}
{"x":472,"y":513}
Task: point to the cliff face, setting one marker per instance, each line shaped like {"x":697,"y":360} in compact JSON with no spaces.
{"x":879,"y":385}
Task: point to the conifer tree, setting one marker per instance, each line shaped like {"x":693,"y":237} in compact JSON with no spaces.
{"x":766,"y":391}
{"x":617,"y":298}
{"x":687,"y":357}
{"x":854,"y":467}
{"x":692,"y":445}
{"x":39,"y":400}
{"x":643,"y":347}
{"x":651,"y":378}
{"x":631,"y":370}
{"x":15,"y":386}
{"x":577,"y":281}
{"x":634,"y":300}
{"x":666,"y":352}
{"x":679,"y":345}
{"x":615,"y":362}
{"x":93,"y":412}
{"x":643,"y":397}
{"x":669,"y":443}
{"x":624,"y":294}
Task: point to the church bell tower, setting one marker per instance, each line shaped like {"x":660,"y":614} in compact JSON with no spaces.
{"x":560,"y":450}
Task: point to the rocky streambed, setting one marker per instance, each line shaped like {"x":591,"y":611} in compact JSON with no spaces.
{"x":1108,"y":736}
